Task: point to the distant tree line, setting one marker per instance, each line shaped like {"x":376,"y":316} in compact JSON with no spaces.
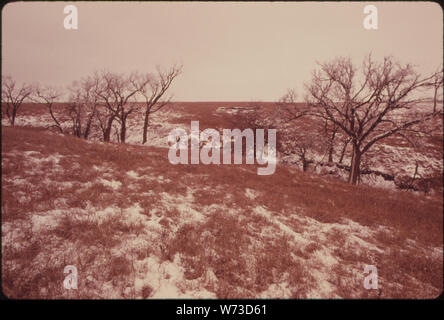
{"x":97,"y":102}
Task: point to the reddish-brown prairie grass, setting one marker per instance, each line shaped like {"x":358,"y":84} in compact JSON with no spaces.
{"x":245,"y":251}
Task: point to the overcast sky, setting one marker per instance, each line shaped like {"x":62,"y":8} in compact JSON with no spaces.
{"x":229,"y":51}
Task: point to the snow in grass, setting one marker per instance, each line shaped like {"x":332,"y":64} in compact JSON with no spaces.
{"x":158,"y":130}
{"x":16,"y":181}
{"x":251,"y":194}
{"x":46,"y":220}
{"x":322,"y":288}
{"x":324,"y":258}
{"x":276,"y":290}
{"x":273,"y":219}
{"x":184,"y":204}
{"x":166,"y":279}
{"x":111,"y":183}
{"x":55,"y":158}
{"x":27,"y":120}
{"x":133,"y":174}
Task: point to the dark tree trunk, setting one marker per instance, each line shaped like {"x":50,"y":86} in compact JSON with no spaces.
{"x":88,"y":127}
{"x":79,"y":127}
{"x":304,"y":165}
{"x":145,"y":127}
{"x":304,"y":161}
{"x":331,"y":146}
{"x":107,"y":132}
{"x":330,"y":153}
{"x":14,"y":114}
{"x":86,"y":132}
{"x":57,"y":125}
{"x":343,"y":151}
{"x":355,"y":164}
{"x":123,"y":131}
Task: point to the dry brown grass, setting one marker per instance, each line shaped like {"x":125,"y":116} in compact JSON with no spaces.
{"x":229,"y":242}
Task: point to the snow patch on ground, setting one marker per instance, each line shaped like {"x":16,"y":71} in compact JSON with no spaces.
{"x":251,"y":194}
{"x":111,"y":183}
{"x":166,"y":279}
{"x":183,"y":204}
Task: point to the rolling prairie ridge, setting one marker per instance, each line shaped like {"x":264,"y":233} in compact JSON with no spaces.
{"x":137,"y":226}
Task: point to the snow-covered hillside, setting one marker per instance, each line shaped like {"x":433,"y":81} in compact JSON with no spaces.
{"x":136,"y":226}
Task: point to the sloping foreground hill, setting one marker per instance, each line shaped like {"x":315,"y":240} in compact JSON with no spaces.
{"x":136,"y":226}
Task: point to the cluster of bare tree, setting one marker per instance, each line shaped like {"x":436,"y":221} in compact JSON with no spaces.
{"x":13,"y":95}
{"x":388,"y":99}
{"x":97,"y":102}
{"x":348,"y":109}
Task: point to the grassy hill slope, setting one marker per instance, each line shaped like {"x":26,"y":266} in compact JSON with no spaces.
{"x":136,"y":226}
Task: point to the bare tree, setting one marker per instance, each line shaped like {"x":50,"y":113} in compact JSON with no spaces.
{"x":330,"y":131}
{"x":105,"y":118}
{"x":436,"y":84}
{"x":304,"y":145}
{"x":153,"y":88}
{"x":254,"y":116}
{"x":297,"y":124}
{"x":385,"y":101}
{"x":83,"y":105}
{"x":300,"y":135}
{"x":48,"y":95}
{"x":116,"y":91}
{"x":345,"y":142}
{"x":288,"y":109}
{"x":13,"y":96}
